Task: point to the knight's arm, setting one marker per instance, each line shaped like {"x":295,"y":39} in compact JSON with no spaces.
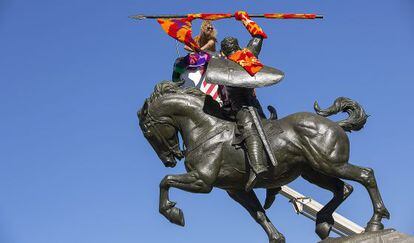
{"x":255,"y":44}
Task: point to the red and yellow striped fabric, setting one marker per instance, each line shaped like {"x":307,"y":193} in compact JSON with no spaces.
{"x":290,"y":16}
{"x":207,"y":16}
{"x":180,"y":29}
{"x":251,"y":26}
{"x":247,"y":60}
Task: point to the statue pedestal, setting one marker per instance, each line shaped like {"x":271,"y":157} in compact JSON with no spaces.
{"x":383,"y":236}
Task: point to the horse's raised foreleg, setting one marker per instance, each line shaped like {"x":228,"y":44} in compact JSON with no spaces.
{"x":340,"y":190}
{"x":250,"y":202}
{"x":366,"y":177}
{"x":188,"y":182}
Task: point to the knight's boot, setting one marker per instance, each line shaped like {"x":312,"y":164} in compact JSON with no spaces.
{"x":254,"y":147}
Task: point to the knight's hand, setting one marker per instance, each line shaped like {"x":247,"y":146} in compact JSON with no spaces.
{"x":251,"y":26}
{"x":240,"y":15}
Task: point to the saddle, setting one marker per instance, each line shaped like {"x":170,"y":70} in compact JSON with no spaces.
{"x":213,"y":108}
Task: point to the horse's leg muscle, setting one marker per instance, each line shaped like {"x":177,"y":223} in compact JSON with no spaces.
{"x":250,"y":202}
{"x":188,"y":182}
{"x":340,"y":189}
{"x":366,"y":177}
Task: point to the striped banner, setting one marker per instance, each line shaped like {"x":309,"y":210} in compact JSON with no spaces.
{"x":197,"y":77}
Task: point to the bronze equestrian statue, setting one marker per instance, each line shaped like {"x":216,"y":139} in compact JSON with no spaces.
{"x":234,"y":147}
{"x":304,"y":144}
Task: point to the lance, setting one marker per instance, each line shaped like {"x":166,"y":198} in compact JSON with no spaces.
{"x":225,"y":15}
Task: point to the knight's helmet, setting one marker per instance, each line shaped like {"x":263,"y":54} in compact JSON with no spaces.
{"x":229,"y":45}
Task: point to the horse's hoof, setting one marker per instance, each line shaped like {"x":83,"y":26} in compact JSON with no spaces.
{"x":374,"y":226}
{"x":176,"y":216}
{"x":323,"y":230}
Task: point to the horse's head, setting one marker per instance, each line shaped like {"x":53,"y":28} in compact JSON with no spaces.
{"x":162,"y":133}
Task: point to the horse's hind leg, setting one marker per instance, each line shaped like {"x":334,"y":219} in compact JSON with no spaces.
{"x":340,"y":190}
{"x":250,"y":202}
{"x":366,"y":177}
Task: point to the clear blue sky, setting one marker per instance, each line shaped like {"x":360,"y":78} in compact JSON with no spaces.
{"x":75,"y":168}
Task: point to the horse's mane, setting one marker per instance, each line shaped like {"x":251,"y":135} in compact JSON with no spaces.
{"x":168,"y":87}
{"x":164,"y":88}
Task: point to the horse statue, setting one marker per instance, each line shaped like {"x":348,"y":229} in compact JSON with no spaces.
{"x":305,"y":144}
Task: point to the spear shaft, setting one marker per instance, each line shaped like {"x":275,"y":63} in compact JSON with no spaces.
{"x":269,"y":16}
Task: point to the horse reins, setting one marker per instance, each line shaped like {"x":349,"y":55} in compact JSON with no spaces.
{"x":150,"y":121}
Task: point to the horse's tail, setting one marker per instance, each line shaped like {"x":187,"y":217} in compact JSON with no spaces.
{"x":357,"y":116}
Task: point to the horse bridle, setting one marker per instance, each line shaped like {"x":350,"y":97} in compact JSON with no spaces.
{"x":151,"y":122}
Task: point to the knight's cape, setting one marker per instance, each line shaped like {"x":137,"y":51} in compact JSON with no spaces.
{"x":226,"y":72}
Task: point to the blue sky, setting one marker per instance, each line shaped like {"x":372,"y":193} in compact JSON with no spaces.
{"x":75,"y":168}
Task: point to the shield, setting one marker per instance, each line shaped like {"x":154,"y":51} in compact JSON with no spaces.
{"x":226,"y":72}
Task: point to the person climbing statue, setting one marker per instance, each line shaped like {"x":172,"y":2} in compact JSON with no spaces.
{"x":207,"y":42}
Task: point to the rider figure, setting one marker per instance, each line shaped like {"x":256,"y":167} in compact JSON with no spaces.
{"x":239,"y":99}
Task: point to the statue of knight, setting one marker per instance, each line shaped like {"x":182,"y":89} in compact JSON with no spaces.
{"x":238,"y":94}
